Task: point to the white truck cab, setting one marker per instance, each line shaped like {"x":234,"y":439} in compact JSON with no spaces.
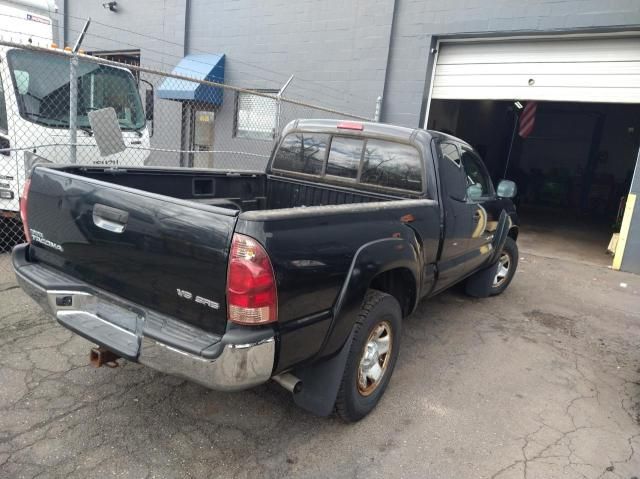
{"x":34,"y":103}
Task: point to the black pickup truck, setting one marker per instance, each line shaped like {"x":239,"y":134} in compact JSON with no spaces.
{"x":301,"y":274}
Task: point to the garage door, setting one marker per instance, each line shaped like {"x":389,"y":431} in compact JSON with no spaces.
{"x":577,"y":69}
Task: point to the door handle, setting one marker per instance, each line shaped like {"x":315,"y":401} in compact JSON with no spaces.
{"x":109,"y":218}
{"x":476,"y":216}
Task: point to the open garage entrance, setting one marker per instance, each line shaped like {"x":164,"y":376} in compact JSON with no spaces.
{"x":573,"y":170}
{"x":575,"y":166}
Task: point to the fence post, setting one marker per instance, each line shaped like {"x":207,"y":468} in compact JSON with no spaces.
{"x":376,"y":116}
{"x":73,"y":94}
{"x":279,"y":104}
{"x":73,"y":107}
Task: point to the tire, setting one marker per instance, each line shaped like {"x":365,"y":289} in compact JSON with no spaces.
{"x":510,"y":254}
{"x":379,"y":317}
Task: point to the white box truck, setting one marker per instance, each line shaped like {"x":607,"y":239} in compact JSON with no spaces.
{"x":34,"y":104}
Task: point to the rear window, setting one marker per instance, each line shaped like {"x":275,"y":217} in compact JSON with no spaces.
{"x":366,"y":161}
{"x":302,"y":153}
{"x":392,"y":165}
{"x":344,"y":157}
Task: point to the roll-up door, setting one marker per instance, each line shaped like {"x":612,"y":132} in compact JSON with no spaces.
{"x":589,"y":69}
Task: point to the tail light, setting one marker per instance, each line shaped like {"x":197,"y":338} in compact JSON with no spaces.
{"x":251,"y":287}
{"x":24,"y":201}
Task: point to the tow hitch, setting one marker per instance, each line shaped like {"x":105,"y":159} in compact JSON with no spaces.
{"x":100,"y":356}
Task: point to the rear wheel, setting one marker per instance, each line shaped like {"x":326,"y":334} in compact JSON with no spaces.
{"x":372,"y":356}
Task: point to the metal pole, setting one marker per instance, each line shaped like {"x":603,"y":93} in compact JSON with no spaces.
{"x":73,"y":95}
{"x":376,"y":116}
{"x":513,"y":135}
{"x":73,"y":108}
{"x":279,"y":103}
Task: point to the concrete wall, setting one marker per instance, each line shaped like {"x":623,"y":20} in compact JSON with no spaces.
{"x":337,"y":50}
{"x":156,"y":28}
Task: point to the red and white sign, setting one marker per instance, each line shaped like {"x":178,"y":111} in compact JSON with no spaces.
{"x":528,"y":119}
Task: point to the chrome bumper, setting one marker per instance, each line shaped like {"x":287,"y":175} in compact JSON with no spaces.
{"x":240,"y":366}
{"x":125,"y":328}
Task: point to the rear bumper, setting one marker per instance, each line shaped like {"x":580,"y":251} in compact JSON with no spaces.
{"x":237,"y":360}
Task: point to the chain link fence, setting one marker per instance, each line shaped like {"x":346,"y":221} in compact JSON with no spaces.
{"x":60,"y":107}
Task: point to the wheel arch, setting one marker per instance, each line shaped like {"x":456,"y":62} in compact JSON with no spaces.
{"x":399,"y":283}
{"x":383,"y":263}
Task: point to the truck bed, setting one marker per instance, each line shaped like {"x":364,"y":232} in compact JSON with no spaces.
{"x":145,"y":233}
{"x":246,"y":191}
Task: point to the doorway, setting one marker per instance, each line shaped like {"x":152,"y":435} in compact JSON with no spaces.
{"x":573,"y":169}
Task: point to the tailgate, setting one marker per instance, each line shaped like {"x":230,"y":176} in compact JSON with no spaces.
{"x":166,"y":254}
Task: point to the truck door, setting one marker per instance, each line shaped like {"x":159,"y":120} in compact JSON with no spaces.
{"x":480,"y":194}
{"x":461,"y":217}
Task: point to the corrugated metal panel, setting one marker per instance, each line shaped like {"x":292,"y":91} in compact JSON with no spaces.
{"x":579,"y":69}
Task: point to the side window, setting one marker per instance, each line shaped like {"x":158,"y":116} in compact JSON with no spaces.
{"x":392,"y":165}
{"x":478,"y":181}
{"x":301,"y":153}
{"x":451,"y":173}
{"x":451,"y":153}
{"x":4,"y":127}
{"x":344,"y":157}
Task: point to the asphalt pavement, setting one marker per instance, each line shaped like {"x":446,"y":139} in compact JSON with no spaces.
{"x":541,"y":382}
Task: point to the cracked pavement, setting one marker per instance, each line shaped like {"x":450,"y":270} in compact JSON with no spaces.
{"x":541,"y":382}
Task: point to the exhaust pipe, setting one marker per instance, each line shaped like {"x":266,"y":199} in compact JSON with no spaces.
{"x":289,"y":382}
{"x":100,"y":356}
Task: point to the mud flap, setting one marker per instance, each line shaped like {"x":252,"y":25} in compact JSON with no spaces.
{"x":501,"y":234}
{"x":479,"y":284}
{"x":321,"y":381}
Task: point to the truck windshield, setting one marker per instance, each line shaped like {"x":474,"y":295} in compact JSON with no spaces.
{"x":42,"y":87}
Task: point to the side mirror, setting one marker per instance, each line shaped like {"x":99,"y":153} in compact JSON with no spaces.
{"x":474,"y":191}
{"x":5,"y":146}
{"x":507,"y":189}
{"x":148,"y":104}
{"x":149,"y":95}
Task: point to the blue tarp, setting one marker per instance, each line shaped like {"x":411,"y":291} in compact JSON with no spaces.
{"x":208,"y":67}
